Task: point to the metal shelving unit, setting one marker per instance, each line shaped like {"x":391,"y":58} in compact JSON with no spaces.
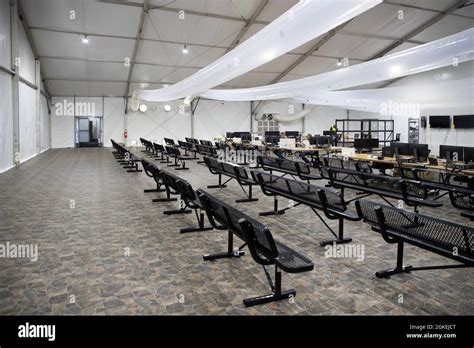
{"x":365,"y":128}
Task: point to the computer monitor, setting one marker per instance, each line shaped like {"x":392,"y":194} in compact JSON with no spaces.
{"x":328,"y":133}
{"x":388,"y":151}
{"x":245,"y":136}
{"x":455,"y":152}
{"x":402,"y":149}
{"x":469,"y":155}
{"x":292,"y":134}
{"x":366,"y":143}
{"x":325,"y":140}
{"x":420,"y":151}
{"x":229,"y":135}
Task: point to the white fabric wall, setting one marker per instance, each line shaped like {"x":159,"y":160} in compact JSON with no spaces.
{"x":62,"y":126}
{"x":322,"y":118}
{"x":113,"y":120}
{"x":283,"y":109}
{"x":214,"y":118}
{"x":156,"y":124}
{"x":6,"y":122}
{"x":44,"y":126}
{"x":27,"y":122}
{"x":27,"y":58}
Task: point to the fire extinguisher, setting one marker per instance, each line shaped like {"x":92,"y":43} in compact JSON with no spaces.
{"x":125,"y":134}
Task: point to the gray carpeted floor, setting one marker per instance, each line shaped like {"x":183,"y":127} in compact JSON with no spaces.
{"x":105,"y":248}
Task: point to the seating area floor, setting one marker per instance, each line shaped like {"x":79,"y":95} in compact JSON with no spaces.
{"x":105,"y":248}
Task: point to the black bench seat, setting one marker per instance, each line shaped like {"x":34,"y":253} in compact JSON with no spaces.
{"x":327,"y":200}
{"x":126,"y":158}
{"x":454,"y":241}
{"x":258,"y":238}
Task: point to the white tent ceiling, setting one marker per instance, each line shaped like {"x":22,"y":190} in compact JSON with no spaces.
{"x":209,"y":29}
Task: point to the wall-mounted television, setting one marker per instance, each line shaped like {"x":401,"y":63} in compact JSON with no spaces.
{"x":463,"y":121}
{"x":440,"y":121}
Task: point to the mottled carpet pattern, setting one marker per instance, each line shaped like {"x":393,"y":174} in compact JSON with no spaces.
{"x":105,"y":248}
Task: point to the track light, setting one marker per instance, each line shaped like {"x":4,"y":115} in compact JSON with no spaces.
{"x":85,"y":39}
{"x":185,"y":50}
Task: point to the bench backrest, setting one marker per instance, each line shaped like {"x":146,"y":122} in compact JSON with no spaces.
{"x":384,"y":183}
{"x":462,"y":199}
{"x":300,"y":191}
{"x":443,"y":237}
{"x":158,"y":147}
{"x":257,"y":236}
{"x":206,"y":142}
{"x":192,"y":140}
{"x":172,"y":151}
{"x":151,"y":169}
{"x":169,"y":141}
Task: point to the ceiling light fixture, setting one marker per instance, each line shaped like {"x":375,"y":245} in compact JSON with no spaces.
{"x":143,"y":108}
{"x":185,"y":50}
{"x":339,"y":62}
{"x":167,"y":107}
{"x":85,"y":39}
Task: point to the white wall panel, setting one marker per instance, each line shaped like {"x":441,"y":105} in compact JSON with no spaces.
{"x":27,"y":122}
{"x":215,"y":118}
{"x":27,"y":58}
{"x":6,"y":123}
{"x":157,"y":124}
{"x":113,"y":120}
{"x":62,"y":126}
{"x":44,"y":119}
{"x":5,"y":45}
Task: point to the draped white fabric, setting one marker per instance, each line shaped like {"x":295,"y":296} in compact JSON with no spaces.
{"x":303,"y":22}
{"x":422,"y":96}
{"x":450,"y":50}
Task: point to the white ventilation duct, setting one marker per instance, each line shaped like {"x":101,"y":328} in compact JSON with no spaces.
{"x":451,"y":50}
{"x":305,"y":21}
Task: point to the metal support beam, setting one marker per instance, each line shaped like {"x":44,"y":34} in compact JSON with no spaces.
{"x":313,"y":49}
{"x":247,"y":25}
{"x":38,"y":106}
{"x":394,"y":3}
{"x":193,"y":107}
{"x":415,"y":32}
{"x":135,"y":50}
{"x":177,"y":10}
{"x":421,"y":28}
{"x":24,"y":22}
{"x":15,"y":81}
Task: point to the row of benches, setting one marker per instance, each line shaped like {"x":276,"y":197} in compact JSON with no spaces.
{"x":432,"y":234}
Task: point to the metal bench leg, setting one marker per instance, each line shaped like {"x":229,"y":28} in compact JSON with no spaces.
{"x":340,"y":239}
{"x":275,"y":210}
{"x":177,"y":211}
{"x":220,"y":184}
{"x":200,"y":218}
{"x":230,"y":250}
{"x":400,"y":267}
{"x":158,"y":189}
{"x":249,"y":196}
{"x":183,"y":166}
{"x":167,"y":199}
{"x":276,"y":294}
{"x":175,"y":163}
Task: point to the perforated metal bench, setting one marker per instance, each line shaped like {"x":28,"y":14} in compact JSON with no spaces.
{"x":316,"y":198}
{"x":179,"y":160}
{"x":258,"y":238}
{"x":126,"y":158}
{"x":287,"y":167}
{"x":399,"y":226}
{"x":411,"y":192}
{"x":463,"y":199}
{"x":233,"y":172}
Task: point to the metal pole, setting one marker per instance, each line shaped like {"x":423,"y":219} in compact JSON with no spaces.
{"x":38,"y":106}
